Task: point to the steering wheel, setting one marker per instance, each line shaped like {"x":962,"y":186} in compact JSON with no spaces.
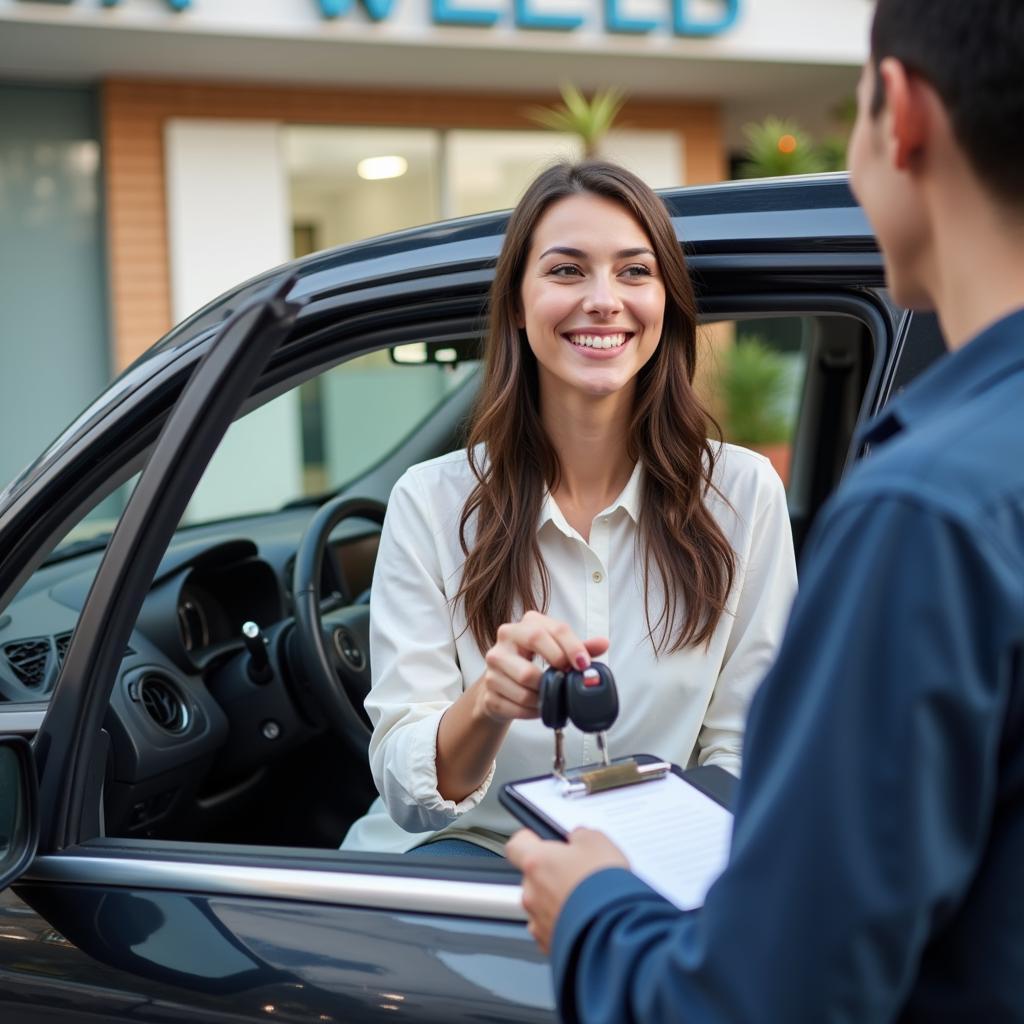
{"x":332,"y":650}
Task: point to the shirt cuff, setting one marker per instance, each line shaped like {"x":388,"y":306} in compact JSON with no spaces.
{"x":422,"y":753}
{"x":732,"y":763}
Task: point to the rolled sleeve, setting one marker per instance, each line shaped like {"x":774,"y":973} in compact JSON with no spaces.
{"x":416,"y":674}
{"x":761,"y":606}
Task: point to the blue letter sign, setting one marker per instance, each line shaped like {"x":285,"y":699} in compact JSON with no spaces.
{"x":686,"y":24}
{"x":526,"y":18}
{"x":615,"y":21}
{"x":378,"y":10}
{"x":444,"y":14}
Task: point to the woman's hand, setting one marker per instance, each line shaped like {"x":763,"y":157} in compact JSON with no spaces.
{"x":472,"y":730}
{"x":508,"y":689}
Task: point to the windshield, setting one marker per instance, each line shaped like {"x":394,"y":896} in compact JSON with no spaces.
{"x":305,"y":444}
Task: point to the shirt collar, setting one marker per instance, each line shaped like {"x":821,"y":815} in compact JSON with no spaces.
{"x":628,"y":500}
{"x":989,"y":357}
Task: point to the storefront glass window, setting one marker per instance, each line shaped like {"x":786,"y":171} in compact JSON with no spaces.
{"x":346,"y":184}
{"x":490,"y":170}
{"x":55,"y":353}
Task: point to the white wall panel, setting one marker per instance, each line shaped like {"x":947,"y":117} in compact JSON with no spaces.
{"x":228,"y":220}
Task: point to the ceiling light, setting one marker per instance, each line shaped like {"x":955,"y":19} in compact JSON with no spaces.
{"x":374,"y":168}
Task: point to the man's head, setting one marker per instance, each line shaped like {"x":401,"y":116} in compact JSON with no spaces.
{"x":942,"y":94}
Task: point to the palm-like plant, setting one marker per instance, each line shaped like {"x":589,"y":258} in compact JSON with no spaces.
{"x":590,"y":120}
{"x":755,"y":389}
{"x":776,"y":146}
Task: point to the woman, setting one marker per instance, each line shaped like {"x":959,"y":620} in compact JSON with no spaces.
{"x":590,"y":516}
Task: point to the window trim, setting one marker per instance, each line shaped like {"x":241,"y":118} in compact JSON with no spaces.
{"x":335,"y":883}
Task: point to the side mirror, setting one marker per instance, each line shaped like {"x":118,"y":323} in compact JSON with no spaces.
{"x":19,"y":808}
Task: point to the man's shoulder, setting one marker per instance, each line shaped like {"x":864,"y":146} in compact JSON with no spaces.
{"x":969,"y":465}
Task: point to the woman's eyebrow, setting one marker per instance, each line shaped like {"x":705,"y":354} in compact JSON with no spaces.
{"x":579,"y":254}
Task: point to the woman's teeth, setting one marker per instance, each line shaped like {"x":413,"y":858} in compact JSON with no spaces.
{"x":598,"y":340}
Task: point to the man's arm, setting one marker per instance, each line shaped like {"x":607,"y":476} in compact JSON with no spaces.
{"x":865,"y":801}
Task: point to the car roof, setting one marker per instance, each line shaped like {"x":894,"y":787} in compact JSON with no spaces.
{"x":808,"y":213}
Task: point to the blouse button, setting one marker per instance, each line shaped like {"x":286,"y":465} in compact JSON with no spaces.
{"x":596,"y":576}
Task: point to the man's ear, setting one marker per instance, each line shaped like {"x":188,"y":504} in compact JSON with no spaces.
{"x":908,"y":109}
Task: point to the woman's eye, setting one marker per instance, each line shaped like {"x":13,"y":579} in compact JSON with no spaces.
{"x":566,"y":270}
{"x":638,"y":270}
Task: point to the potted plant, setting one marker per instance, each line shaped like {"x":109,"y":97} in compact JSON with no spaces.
{"x":754,"y":386}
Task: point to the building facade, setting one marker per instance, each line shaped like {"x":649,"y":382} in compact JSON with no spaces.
{"x":155,"y":152}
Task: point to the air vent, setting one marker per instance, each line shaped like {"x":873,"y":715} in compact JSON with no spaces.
{"x":63,"y":642}
{"x":163,"y":704}
{"x":29,"y":659}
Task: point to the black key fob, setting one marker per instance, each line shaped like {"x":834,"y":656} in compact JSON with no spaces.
{"x":592,"y":698}
{"x":554,"y":710}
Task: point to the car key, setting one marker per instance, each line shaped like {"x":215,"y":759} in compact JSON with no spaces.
{"x":593,"y":702}
{"x":554,"y":711}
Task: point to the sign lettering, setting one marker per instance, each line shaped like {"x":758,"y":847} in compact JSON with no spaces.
{"x":681,"y":17}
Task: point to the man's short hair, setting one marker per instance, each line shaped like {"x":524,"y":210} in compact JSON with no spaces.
{"x":972,"y":53}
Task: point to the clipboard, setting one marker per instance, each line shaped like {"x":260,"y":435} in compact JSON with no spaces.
{"x":714,"y":782}
{"x":674,"y":829}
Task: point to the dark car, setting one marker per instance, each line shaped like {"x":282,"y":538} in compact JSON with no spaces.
{"x":192,"y":681}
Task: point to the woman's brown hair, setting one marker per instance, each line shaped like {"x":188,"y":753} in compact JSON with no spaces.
{"x":679,"y":538}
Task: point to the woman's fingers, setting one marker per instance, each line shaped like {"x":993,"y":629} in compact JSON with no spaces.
{"x":510,"y":683}
{"x":553,"y":640}
{"x":512,"y":680}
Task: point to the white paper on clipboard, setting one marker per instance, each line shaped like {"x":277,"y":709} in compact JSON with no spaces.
{"x":675,"y":837}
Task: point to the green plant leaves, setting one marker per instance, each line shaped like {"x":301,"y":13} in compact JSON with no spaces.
{"x":754,"y":385}
{"x":589,"y":120}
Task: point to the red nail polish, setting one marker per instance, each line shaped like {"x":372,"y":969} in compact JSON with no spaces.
{"x":581,"y":661}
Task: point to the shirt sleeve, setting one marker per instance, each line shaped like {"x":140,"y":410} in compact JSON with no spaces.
{"x":416,"y":675}
{"x":864,"y":808}
{"x":759,"y":610}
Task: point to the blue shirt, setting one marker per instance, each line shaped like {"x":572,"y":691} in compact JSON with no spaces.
{"x":877,"y":864}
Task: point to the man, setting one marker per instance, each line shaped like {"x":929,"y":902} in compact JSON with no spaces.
{"x":877,"y":864}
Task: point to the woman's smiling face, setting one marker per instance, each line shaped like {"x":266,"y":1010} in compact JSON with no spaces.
{"x":592,"y":297}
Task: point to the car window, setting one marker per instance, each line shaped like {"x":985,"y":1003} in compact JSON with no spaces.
{"x":313,"y":440}
{"x":36,"y":625}
{"x":751,"y":375}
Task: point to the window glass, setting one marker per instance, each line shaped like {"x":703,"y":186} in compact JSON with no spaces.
{"x":52,"y":283}
{"x":751,"y":375}
{"x":36,"y":626}
{"x":490,"y":170}
{"x":315,"y":439}
{"x":346,"y":184}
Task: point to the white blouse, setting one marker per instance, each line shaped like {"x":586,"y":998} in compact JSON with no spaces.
{"x":688,"y":707}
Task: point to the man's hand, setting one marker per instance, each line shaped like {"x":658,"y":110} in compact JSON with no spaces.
{"x":552,"y":869}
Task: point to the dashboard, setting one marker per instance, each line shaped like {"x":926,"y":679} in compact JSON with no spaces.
{"x":191,"y":729}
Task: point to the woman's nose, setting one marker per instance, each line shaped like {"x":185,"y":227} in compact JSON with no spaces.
{"x":602,"y":297}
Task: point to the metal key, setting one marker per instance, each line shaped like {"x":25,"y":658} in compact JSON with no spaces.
{"x":593,"y":702}
{"x":554,"y":712}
